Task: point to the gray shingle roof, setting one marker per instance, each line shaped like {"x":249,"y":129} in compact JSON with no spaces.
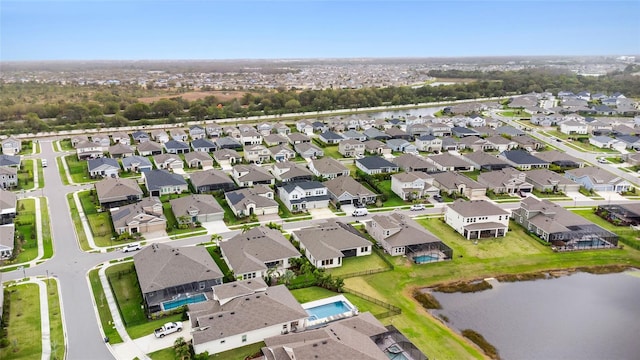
{"x":96,"y":163}
{"x":375,"y":162}
{"x":157,"y":179}
{"x":476,"y":208}
{"x":202,"y":204}
{"x":328,"y":240}
{"x":522,"y":157}
{"x":110,"y":188}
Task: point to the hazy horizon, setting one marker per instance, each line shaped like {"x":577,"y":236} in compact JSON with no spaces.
{"x":170,"y":30}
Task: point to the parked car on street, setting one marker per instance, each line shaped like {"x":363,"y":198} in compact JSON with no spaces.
{"x":417,"y":207}
{"x":131,"y":247}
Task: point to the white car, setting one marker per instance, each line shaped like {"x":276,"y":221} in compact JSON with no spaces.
{"x":131,"y":247}
{"x":416,"y":207}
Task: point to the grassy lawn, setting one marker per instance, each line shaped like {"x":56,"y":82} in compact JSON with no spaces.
{"x":25,"y":175}
{"x":78,"y":169}
{"x":513,"y":113}
{"x":615,"y":160}
{"x":215,"y":254}
{"x":24,"y":332}
{"x":515,"y":253}
{"x":473,"y":175}
{"x":229,"y":217}
{"x":621,"y":231}
{"x":47,"y":241}
{"x":356,"y":264}
{"x":315,"y":293}
{"x":65,"y":145}
{"x":40,"y":174}
{"x":77,"y":224}
{"x":25,"y":223}
{"x":55,"y":320}
{"x":103,"y":308}
{"x":544,"y":195}
{"x":99,"y":222}
{"x":164,"y":354}
{"x":124,"y":282}
{"x":61,"y":171}
{"x":240,"y":353}
{"x":392,"y":198}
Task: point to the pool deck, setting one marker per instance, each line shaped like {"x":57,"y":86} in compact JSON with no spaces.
{"x":316,"y":303}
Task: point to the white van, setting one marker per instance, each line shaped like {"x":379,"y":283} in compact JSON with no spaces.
{"x":44,"y":162}
{"x":360,"y":212}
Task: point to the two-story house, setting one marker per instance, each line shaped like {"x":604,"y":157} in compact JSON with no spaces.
{"x":303,"y":195}
{"x":413,"y":185}
{"x":351,"y":148}
{"x":477,"y":219}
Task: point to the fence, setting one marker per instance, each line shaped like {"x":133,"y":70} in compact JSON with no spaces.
{"x":393,"y":310}
{"x":380,"y":253}
{"x":366,"y":272}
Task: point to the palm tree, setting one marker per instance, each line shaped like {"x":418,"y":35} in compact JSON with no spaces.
{"x":215,"y":238}
{"x":287,"y":277}
{"x":245,"y":228}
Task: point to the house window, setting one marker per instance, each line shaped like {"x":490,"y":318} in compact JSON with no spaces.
{"x":308,"y":193}
{"x":364,"y":249}
{"x":244,"y":338}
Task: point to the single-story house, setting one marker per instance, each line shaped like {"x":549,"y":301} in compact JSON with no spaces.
{"x":120,"y":150}
{"x":103,"y":167}
{"x":329,"y":137}
{"x":376,"y":165}
{"x":7,"y":241}
{"x":226,"y":157}
{"x":149,"y":148}
{"x":168,"y":161}
{"x":162,"y":182}
{"x":448,"y":162}
{"x":176,"y":147}
{"x":136,"y":163}
{"x":308,"y":150}
{"x":196,"y":208}
{"x":257,"y":200}
{"x":282,"y":153}
{"x":252,"y":174}
{"x":8,"y":206}
{"x":597,"y":179}
{"x":453,"y":183}
{"x":506,"y":181}
{"x":523,"y":160}
{"x":487,"y":162}
{"x":114,"y":192}
{"x":198,"y":159}
{"x":328,"y":168}
{"x":345,"y":190}
{"x":548,"y":181}
{"x":287,"y":171}
{"x":211,"y":180}
{"x":203,"y":145}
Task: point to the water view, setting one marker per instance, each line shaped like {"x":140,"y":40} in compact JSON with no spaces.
{"x":581,"y":316}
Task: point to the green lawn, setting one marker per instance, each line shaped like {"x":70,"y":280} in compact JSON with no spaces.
{"x":25,"y":175}
{"x":40,"y":173}
{"x":65,"y":145}
{"x":622,"y":231}
{"x":61,"y":171}
{"x":24,"y":330}
{"x":78,"y":169}
{"x":77,"y":224}
{"x":552,"y":196}
{"x":473,"y":175}
{"x":235,"y":354}
{"x":99,"y":222}
{"x":103,"y":308}
{"x":47,"y":241}
{"x":55,"y":320}
{"x":392,"y":198}
{"x":615,"y":160}
{"x":515,"y":253}
{"x":315,"y":293}
{"x":356,"y":264}
{"x":25,"y":223}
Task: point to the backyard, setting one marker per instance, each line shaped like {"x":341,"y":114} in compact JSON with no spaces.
{"x":25,"y":175}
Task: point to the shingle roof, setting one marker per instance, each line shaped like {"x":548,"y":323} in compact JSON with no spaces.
{"x":140,"y":161}
{"x":476,"y":208}
{"x":210,"y":177}
{"x":157,"y":179}
{"x":375,"y":162}
{"x":328,"y":240}
{"x":522,"y":157}
{"x":174,"y":144}
{"x":202,"y":204}
{"x":99,"y":162}
{"x":9,"y":160}
{"x":342,"y":184}
{"x":202,"y":143}
{"x":411,"y":233}
{"x":8,"y":200}
{"x":116,"y":188}
{"x":328,"y":165}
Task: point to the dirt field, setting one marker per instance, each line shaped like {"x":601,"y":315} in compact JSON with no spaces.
{"x":195,"y":95}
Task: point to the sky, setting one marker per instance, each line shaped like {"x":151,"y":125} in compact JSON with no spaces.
{"x":190,"y":29}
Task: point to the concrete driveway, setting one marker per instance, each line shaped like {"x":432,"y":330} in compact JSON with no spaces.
{"x":150,"y":343}
{"x":321,"y":213}
{"x":215,"y":227}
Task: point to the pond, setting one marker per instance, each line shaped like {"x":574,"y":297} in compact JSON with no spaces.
{"x":579,"y":316}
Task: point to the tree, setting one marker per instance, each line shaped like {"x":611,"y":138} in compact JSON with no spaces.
{"x":164,"y":107}
{"x":292,"y":105}
{"x":181,"y":347}
{"x":215,"y":238}
{"x":198,"y":112}
{"x":136,"y":111}
{"x":287,"y":277}
{"x":245,"y":228}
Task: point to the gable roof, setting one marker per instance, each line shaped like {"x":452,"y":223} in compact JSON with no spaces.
{"x":200,"y":203}
{"x":197,"y":155}
{"x":328,"y":240}
{"x":476,"y":208}
{"x":522,"y":157}
{"x":342,"y":184}
{"x":209,"y":177}
{"x":161,"y":266}
{"x":327,"y":165}
{"x":203,"y":143}
{"x":411,"y":233}
{"x":481,"y":158}
{"x":149,"y":146}
{"x":117,"y":187}
{"x":9,"y":160}
{"x":375,"y":162}
{"x":557,"y":156}
{"x":157,"y":179}
{"x":175,"y":144}
{"x":102,"y":162}
{"x":251,"y":195}
{"x":450,"y":180}
{"x":596,"y":174}
{"x":8,"y":200}
{"x":546,"y":176}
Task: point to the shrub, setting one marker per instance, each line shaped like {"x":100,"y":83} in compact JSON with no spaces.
{"x":427,"y":300}
{"x":479,"y":340}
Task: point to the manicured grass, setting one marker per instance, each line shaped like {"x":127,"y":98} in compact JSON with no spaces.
{"x":392,"y":198}
{"x":47,"y":241}
{"x":65,"y":145}
{"x":61,"y":171}
{"x":103,"y":308}
{"x":214,"y":251}
{"x":229,"y":217}
{"x":164,"y":354}
{"x":360,"y":263}
{"x":24,"y":330}
{"x":614,"y":160}
{"x":240,"y":353}
{"x":513,"y":254}
{"x":514,"y":113}
{"x":25,"y":223}
{"x":544,"y":195}
{"x":146,"y":328}
{"x":40,"y":173}
{"x":99,"y":222}
{"x":473,"y":175}
{"x":315,"y":293}
{"x":77,"y":224}
{"x":55,"y":320}
{"x":78,"y":169}
{"x":283,"y":212}
{"x":25,"y":175}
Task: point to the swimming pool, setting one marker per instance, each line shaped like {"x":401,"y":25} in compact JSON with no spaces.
{"x":172,"y":304}
{"x":327,"y":310}
{"x":422,"y":259}
{"x":591,"y":243}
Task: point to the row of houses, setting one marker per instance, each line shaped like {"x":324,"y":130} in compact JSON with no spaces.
{"x":8,"y":212}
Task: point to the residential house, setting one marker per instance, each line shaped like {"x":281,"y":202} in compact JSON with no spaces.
{"x":88,"y":150}
{"x":474,"y":143}
{"x":196,"y":132}
{"x":402,"y":145}
{"x":162,"y":182}
{"x":429,"y":143}
{"x":198,"y":159}
{"x":178,"y":135}
{"x":545,"y":180}
{"x":354,"y":135}
{"x":528,"y":143}
{"x":160,"y":136}
{"x":255,"y":253}
{"x":257,"y":200}
{"x":486,"y":162}
{"x":8,"y":206}
{"x":477,"y":219}
{"x":203,"y":145}
{"x":572,"y":127}
{"x":281,"y":129}
{"x":620,"y":214}
{"x":275,"y":139}
{"x":440,"y":130}
{"x":308,"y":150}
{"x":10,"y":161}
{"x":375,"y":134}
{"x":228,"y":143}
{"x":113,"y":192}
{"x":412,"y":162}
{"x":328,"y":243}
{"x":11,"y":146}
{"x":351,"y":148}
{"x":77,"y":139}
{"x":376,"y":147}
{"x":149,"y":148}
{"x":8,"y":177}
{"x":304,"y":127}
{"x":303,"y":195}
{"x":102,"y":140}
{"x":250,"y":175}
{"x":140,"y":136}
{"x":345,"y":190}
{"x":418,"y":130}
{"x":136,"y":163}
{"x":561,"y":227}
{"x":523,"y":160}
{"x":264,"y":128}
{"x":282,"y":153}
{"x":243,"y":313}
{"x":7,"y":241}
{"x":455,"y":184}
{"x":319,"y":127}
{"x":398,"y":235}
{"x":256,"y":153}
{"x":213,"y":130}
{"x":329,"y":137}
{"x":287,"y":171}
{"x":250,"y":137}
{"x":413,"y":185}
{"x":508,"y":130}
{"x":142,"y":217}
{"x":226,"y":157}
{"x":232,"y":132}
{"x":328,"y":168}
{"x":196,"y":208}
{"x":211,"y":180}
{"x":500,"y":143}
{"x":632,"y":159}
{"x":176,"y":147}
{"x":298,"y":138}
{"x":506,"y":181}
{"x":168,"y":162}
{"x":597,"y":179}
{"x":103,"y":167}
{"x":630,"y":141}
{"x":166,"y":273}
{"x":396,"y":133}
{"x":461,"y":132}
{"x":546,"y":120}
{"x":448,"y":162}
{"x":560,"y":159}
{"x":376,"y":165}
{"x":603,"y":142}
{"x":120,"y":150}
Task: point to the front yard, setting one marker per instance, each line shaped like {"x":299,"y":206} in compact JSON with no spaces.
{"x":23,"y":328}
{"x":99,"y":221}
{"x":78,"y":169}
{"x":25,"y":175}
{"x":26,"y":248}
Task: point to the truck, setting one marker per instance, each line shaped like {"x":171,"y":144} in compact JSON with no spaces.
{"x":168,"y":328}
{"x":360,"y":212}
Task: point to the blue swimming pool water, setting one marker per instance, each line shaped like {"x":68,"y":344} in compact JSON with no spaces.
{"x":326,"y":310}
{"x":425,"y":259}
{"x":172,"y":304}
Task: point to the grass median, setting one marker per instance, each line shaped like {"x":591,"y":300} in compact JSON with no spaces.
{"x":55,"y":320}
{"x":106,"y":320}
